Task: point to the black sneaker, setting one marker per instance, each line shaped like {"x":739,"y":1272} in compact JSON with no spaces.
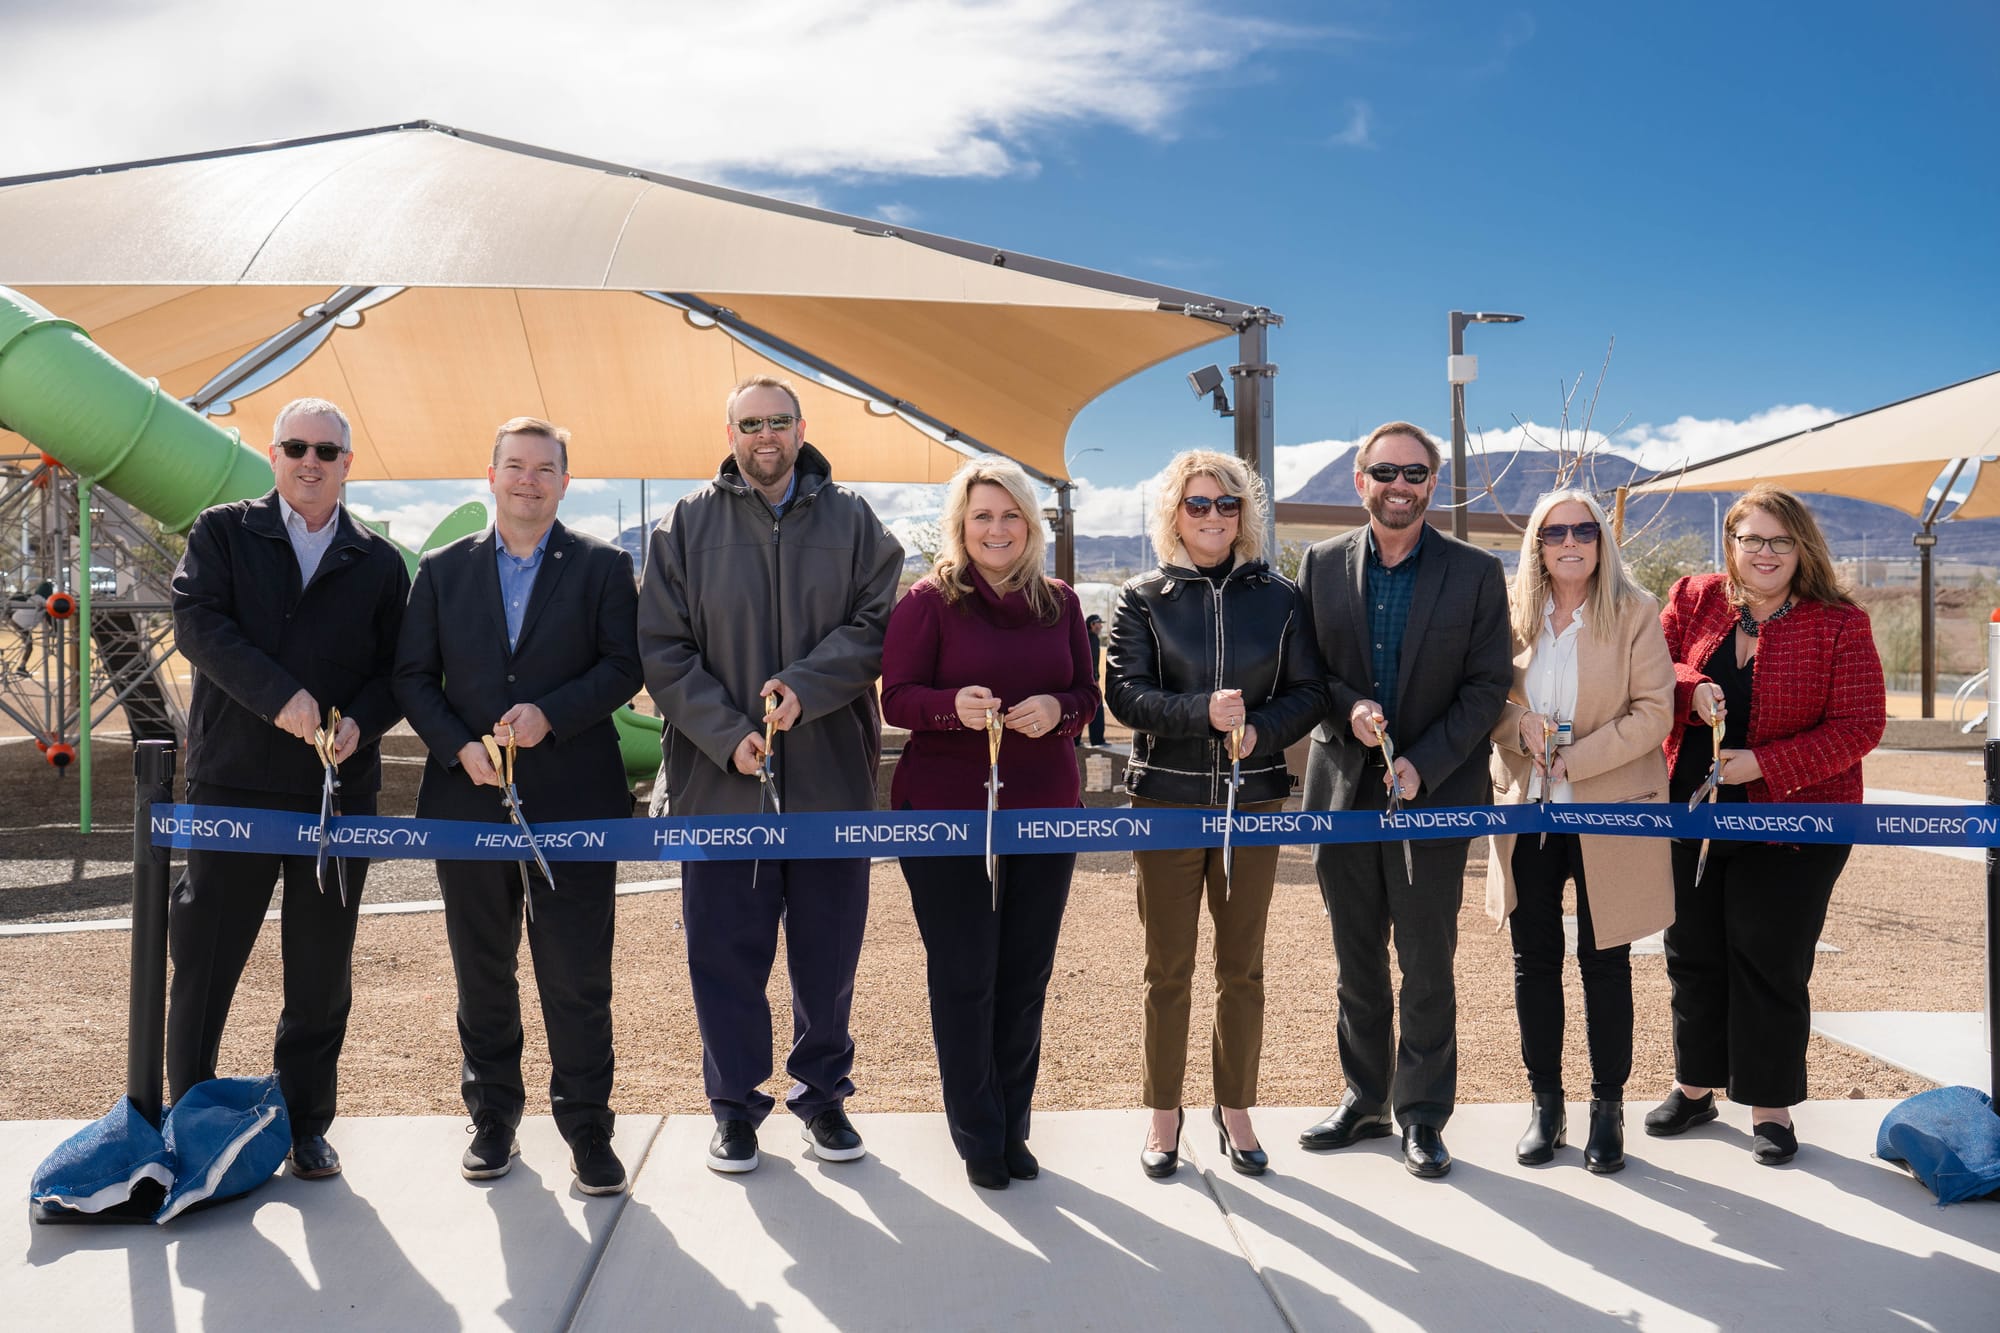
{"x":832,"y":1136}
{"x":733,"y":1150}
{"x":493,"y":1148}
{"x":597,"y":1168}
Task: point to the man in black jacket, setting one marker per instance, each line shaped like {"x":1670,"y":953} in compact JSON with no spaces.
{"x":285,"y":607}
{"x":527,"y":633}
{"x":1413,"y":628}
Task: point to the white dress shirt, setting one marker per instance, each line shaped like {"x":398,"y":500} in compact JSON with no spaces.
{"x":307,"y":545}
{"x":1551,"y":682}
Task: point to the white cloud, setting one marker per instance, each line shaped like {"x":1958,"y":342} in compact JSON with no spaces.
{"x":1695,"y":440}
{"x":1293,"y":465}
{"x":1356,"y":133}
{"x":901,"y":215}
{"x":412,"y":510}
{"x":783,"y":90}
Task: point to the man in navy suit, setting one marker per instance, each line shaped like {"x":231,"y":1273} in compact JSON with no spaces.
{"x":527,"y":632}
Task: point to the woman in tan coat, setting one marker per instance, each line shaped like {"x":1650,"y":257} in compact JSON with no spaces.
{"x":1593,"y":696}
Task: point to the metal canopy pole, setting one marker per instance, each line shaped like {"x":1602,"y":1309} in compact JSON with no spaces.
{"x":1926,"y":543}
{"x":1255,"y":433}
{"x":1065,"y":534}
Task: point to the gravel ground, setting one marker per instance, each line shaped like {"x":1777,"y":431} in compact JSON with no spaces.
{"x":1907,"y":926}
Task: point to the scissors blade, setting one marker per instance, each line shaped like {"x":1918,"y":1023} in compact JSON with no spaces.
{"x":325,"y":832}
{"x":1395,"y":794}
{"x":1548,"y":784}
{"x":1229,"y":813}
{"x":995,"y":731}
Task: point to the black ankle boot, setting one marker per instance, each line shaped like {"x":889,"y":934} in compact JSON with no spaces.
{"x":1548,"y":1126}
{"x":1604,"y":1150}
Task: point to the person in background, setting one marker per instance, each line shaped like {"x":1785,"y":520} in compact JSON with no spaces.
{"x":1777,"y":651}
{"x":1093,"y":625}
{"x":987,"y":636}
{"x":1592,"y":682}
{"x":1211,"y":641}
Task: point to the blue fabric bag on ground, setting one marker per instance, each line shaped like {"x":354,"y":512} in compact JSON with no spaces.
{"x":1949,"y":1138}
{"x":100,"y":1165}
{"x":224,"y":1137}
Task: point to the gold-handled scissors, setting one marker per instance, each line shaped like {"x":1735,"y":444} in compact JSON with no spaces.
{"x":1229,"y":815}
{"x":1548,"y":769}
{"x":503,"y":764}
{"x":995,"y":730}
{"x":1395,"y":790}
{"x":766,"y":778}
{"x":329,"y":802}
{"x":1708,"y":790}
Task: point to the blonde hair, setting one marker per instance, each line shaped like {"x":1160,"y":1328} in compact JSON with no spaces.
{"x":1611,"y":584}
{"x":954,"y":572}
{"x":1815,"y":580}
{"x":1234,"y":477}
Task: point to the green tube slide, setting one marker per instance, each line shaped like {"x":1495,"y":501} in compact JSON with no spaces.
{"x":70,"y":399}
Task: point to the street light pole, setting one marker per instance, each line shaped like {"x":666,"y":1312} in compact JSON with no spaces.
{"x":1461,"y":370}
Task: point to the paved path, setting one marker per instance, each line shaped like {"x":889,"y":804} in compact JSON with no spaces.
{"x":1692,"y":1235}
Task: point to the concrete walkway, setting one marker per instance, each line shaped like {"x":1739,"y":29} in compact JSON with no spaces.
{"x":1691,"y":1235}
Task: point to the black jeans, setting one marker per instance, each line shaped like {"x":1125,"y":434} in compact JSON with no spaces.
{"x":988,"y":973}
{"x":213,"y":918}
{"x":1536,"y":926}
{"x":1740,"y":957}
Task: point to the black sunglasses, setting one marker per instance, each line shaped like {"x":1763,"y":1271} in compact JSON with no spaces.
{"x":1198,"y":506}
{"x":1414,"y":473}
{"x":1554,"y":534}
{"x":326,"y":453}
{"x":781,"y":421}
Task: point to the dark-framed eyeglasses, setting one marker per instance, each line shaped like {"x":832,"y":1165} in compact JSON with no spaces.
{"x":1555,"y":534}
{"x":1197,"y":506}
{"x":777,"y":421}
{"x":1756,"y":545}
{"x":1414,"y":473}
{"x":325,"y":453}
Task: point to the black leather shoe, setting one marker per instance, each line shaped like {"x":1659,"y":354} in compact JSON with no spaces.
{"x":1021,"y":1163}
{"x":1244,"y":1161}
{"x":1679,"y":1113}
{"x":313,"y":1158}
{"x":1424,"y":1151}
{"x":1548,"y":1130}
{"x":493,"y":1148}
{"x":1773,"y":1144}
{"x":989,"y":1173}
{"x":832,"y":1136}
{"x":596,"y":1167}
{"x":1604,"y":1150}
{"x":1346,"y":1126}
{"x":733,"y":1150}
{"x":1161,"y":1163}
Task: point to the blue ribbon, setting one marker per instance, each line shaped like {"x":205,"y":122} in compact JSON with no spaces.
{"x":1018,"y":832}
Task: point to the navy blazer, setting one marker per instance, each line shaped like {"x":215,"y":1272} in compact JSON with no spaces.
{"x":256,"y":636}
{"x":577,"y":660}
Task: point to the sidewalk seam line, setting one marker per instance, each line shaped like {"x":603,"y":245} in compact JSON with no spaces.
{"x":1208,"y":1180}
{"x":580,"y":1291}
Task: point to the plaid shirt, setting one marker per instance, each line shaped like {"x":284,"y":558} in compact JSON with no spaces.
{"x":1390,"y":590}
{"x":1816,"y":699}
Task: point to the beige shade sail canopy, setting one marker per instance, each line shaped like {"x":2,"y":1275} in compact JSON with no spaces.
{"x":1889,"y":455}
{"x":435,"y":282}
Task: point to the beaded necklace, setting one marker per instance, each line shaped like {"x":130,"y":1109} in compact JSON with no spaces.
{"x":1749,"y":624}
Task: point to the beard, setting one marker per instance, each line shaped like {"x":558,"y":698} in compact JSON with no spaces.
{"x":1395,"y":520}
{"x":761,"y":475}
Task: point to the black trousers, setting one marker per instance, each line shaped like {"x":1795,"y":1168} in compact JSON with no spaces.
{"x":569,"y":938}
{"x":1371,"y":902}
{"x":988,"y":973}
{"x":1740,"y":958}
{"x":213,"y":917}
{"x":1539,"y":946}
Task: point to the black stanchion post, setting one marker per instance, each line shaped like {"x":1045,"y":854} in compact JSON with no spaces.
{"x":146,"y":1019}
{"x":1993,"y":930}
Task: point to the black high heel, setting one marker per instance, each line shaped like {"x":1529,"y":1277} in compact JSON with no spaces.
{"x":1246,"y":1161}
{"x":1158,"y":1163}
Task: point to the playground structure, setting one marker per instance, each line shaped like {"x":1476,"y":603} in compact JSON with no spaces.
{"x":121,"y":469}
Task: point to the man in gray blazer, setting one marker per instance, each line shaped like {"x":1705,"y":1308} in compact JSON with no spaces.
{"x":1413,"y":628}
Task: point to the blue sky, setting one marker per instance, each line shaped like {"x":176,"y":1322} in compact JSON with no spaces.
{"x":1782,"y":213}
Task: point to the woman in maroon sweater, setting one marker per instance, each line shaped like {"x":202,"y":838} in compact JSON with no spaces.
{"x":986,"y":634}
{"x":1784,"y":659}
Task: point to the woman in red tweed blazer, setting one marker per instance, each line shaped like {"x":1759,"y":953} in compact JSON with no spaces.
{"x":1776,"y":652}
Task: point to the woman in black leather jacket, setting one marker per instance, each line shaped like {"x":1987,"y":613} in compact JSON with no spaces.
{"x":1212,"y":640}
